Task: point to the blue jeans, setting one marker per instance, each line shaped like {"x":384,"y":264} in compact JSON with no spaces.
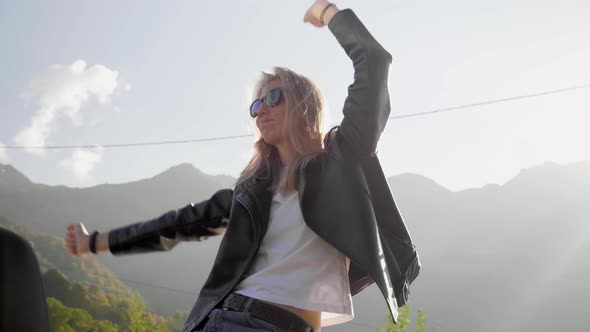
{"x":235,"y":321}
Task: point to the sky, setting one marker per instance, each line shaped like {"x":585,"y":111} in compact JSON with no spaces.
{"x":111,"y":72}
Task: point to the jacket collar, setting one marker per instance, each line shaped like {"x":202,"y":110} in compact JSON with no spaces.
{"x":261,"y":200}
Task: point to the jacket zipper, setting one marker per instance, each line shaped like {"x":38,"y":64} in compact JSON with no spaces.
{"x":251,"y":258}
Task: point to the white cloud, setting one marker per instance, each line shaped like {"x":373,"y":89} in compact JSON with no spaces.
{"x":3,"y":155}
{"x":82,"y":162}
{"x":63,"y":90}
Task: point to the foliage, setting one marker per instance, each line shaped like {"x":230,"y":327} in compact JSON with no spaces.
{"x":51,"y":254}
{"x":127,"y":313}
{"x":421,"y":321}
{"x":403,"y":321}
{"x":87,"y":296}
{"x":66,"y":319}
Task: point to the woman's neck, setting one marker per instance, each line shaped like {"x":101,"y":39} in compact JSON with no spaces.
{"x":286,"y":155}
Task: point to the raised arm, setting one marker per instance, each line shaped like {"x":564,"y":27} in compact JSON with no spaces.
{"x":193,"y":222}
{"x":366,"y":108}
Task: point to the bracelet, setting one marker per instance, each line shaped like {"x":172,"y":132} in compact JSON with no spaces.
{"x":92,"y":242}
{"x":324,"y":11}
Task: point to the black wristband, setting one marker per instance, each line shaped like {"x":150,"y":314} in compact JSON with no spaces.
{"x":92,"y":242}
{"x":324,"y":11}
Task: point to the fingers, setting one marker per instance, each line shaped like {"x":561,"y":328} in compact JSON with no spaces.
{"x":307,"y":16}
{"x":70,"y":246}
{"x":70,"y":240}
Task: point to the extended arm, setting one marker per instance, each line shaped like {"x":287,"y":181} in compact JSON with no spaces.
{"x":193,"y":222}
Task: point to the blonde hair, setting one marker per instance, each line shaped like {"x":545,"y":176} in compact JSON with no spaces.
{"x":302,"y":130}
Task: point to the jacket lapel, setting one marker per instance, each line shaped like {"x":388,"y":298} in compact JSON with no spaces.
{"x":260,"y":201}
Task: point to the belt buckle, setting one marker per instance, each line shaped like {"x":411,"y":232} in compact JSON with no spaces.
{"x":236,"y":302}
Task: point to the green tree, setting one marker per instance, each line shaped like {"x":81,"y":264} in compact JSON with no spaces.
{"x":133,"y":315}
{"x":75,"y":305}
{"x":162,"y":327}
{"x":65,"y":319}
{"x":89,"y":297}
{"x":403,"y":321}
{"x":421,"y":321}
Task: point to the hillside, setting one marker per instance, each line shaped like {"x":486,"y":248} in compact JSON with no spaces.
{"x":511,"y":257}
{"x":83,"y":295}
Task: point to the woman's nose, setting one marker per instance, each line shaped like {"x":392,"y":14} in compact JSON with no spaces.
{"x":262,"y":109}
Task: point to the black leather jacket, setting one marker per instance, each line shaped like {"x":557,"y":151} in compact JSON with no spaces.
{"x":343,"y":194}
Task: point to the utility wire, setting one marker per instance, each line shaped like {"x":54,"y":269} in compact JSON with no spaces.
{"x":168,"y":289}
{"x":124,"y":144}
{"x":448,"y":109}
{"x":118,"y":276}
{"x":532,"y":95}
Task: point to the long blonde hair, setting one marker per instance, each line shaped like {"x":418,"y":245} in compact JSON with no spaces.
{"x":302,"y":131}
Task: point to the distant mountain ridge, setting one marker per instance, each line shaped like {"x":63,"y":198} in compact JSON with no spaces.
{"x":496,"y":258}
{"x":11,"y":177}
{"x":49,"y":207}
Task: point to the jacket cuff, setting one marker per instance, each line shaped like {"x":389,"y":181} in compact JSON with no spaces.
{"x":338,"y":17}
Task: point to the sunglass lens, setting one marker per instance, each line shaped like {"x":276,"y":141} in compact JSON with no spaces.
{"x":271,"y":99}
{"x":254,"y":108}
{"x":275,"y":95}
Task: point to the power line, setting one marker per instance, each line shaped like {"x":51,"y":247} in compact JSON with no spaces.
{"x":118,"y":276}
{"x":168,"y":289}
{"x":123,"y":144}
{"x":532,"y":95}
{"x":447,"y":109}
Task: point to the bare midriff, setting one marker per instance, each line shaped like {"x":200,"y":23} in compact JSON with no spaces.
{"x":313,"y":318}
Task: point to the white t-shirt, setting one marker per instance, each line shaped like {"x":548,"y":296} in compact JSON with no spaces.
{"x":296,"y":267}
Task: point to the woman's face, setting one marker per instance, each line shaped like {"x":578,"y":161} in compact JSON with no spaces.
{"x":270,"y":120}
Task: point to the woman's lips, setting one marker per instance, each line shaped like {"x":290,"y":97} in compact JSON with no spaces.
{"x":265,"y":121}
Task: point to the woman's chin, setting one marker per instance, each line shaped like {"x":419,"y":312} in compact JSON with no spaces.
{"x":268,"y":140}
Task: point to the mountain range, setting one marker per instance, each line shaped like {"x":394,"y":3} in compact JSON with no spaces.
{"x":511,"y":257}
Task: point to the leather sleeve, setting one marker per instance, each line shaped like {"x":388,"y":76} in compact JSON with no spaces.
{"x":366,"y":108}
{"x":192,"y":222}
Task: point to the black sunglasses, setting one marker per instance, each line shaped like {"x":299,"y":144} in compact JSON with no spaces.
{"x":272,"y":98}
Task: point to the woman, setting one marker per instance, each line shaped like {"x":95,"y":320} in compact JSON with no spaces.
{"x":310,"y":221}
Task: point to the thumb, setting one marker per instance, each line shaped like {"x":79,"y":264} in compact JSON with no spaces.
{"x":81,"y":229}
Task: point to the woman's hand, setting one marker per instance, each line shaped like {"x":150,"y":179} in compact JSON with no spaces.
{"x":77,"y":240}
{"x":315,"y":11}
